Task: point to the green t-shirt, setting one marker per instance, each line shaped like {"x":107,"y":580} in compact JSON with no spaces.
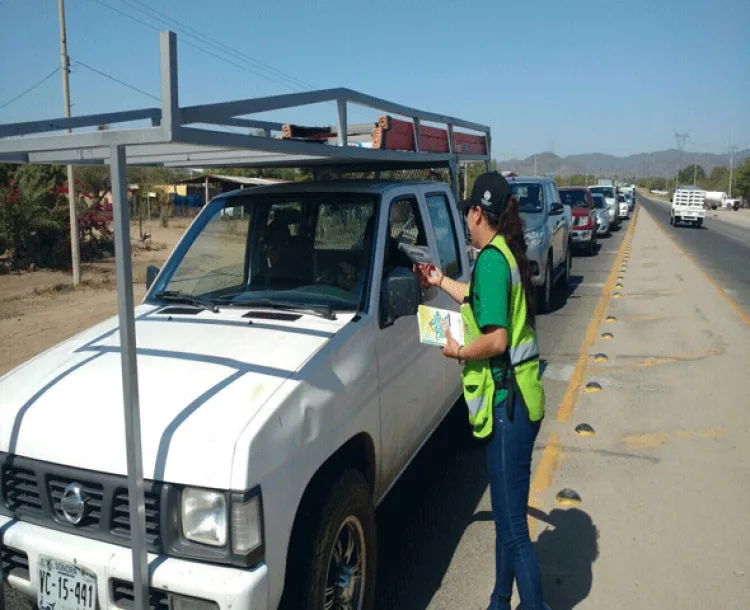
{"x":491,"y":299}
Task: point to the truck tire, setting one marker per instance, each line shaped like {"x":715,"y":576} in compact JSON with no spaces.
{"x":334,"y":556}
{"x":545,"y":290}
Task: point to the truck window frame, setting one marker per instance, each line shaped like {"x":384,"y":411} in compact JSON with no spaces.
{"x":454,"y":230}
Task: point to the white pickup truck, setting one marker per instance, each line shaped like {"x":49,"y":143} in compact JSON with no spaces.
{"x":688,"y":206}
{"x":283,"y":390}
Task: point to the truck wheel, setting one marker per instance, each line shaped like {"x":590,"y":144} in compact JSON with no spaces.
{"x":545,"y":293}
{"x":699,"y":223}
{"x":336,"y":556}
{"x":671,"y":220}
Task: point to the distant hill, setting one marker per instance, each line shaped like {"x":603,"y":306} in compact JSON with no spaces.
{"x":642,"y":165}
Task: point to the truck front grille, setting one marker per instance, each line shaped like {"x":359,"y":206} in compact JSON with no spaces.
{"x":92,"y":493}
{"x":33,"y":491}
{"x":21,"y":489}
{"x":121,"y":515}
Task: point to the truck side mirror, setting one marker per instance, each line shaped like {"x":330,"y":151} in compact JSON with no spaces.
{"x":556,"y":209}
{"x":400,"y":296}
{"x":151,"y":272}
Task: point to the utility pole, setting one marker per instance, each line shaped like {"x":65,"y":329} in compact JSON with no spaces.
{"x":75,"y":252}
{"x":695,"y":172}
{"x":681,"y":139}
{"x":732,"y":150}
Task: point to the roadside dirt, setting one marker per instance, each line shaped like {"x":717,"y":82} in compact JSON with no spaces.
{"x":40,"y":309}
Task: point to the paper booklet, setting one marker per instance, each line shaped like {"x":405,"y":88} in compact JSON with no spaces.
{"x":432,"y":322}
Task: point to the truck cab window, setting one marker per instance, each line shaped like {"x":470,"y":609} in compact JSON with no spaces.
{"x":405,"y":226}
{"x":445,"y":234}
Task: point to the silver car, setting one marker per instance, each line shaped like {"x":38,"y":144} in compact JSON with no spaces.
{"x":610,"y":196}
{"x":602,"y":214}
{"x":548,"y":235}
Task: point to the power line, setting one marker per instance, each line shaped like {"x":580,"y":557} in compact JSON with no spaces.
{"x":30,"y":89}
{"x":288,"y":84}
{"x":117,"y":80}
{"x":199,"y":48}
{"x":217,"y":43}
{"x":128,"y":85}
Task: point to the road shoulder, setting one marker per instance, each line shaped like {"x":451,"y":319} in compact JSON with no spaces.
{"x":668,"y":466}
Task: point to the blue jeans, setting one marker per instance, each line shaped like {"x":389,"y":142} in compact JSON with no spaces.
{"x":509,"y":462}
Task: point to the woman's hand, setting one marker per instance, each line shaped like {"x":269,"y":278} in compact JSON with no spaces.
{"x":451,"y":347}
{"x":429,"y":275}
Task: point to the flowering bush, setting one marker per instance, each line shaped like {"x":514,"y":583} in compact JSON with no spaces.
{"x":35,"y":225}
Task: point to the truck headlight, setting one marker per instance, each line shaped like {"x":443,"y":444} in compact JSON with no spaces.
{"x":247,"y":523}
{"x":204,"y":516}
{"x":534,"y":238}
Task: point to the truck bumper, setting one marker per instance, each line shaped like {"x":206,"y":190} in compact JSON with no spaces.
{"x":223,"y":587}
{"x":582,"y":236}
{"x":690,"y":216}
{"x":538,"y":264}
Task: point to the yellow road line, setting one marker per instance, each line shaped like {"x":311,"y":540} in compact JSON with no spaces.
{"x":579,"y":373}
{"x":550,"y":460}
{"x":543,"y":476}
{"x":732,"y":303}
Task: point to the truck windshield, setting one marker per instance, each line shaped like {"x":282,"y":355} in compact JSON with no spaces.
{"x":575,"y":199}
{"x":599,"y":202}
{"x":306,"y":249}
{"x":530,"y":197}
{"x":605,"y":191}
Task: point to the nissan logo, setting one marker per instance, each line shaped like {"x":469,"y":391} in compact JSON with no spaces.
{"x":73,"y":504}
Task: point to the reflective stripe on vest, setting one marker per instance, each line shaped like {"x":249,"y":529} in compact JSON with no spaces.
{"x":524,"y":352}
{"x":475,"y":404}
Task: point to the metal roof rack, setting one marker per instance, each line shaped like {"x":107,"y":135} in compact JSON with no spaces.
{"x":192,"y":135}
{"x":197,"y":136}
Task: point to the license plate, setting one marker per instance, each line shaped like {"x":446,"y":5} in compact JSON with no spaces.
{"x":65,"y":586}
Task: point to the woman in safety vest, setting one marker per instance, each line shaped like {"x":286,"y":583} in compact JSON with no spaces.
{"x":501,"y":381}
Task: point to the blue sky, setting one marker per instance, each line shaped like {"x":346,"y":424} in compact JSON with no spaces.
{"x":569,"y":76}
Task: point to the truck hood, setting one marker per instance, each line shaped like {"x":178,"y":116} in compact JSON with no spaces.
{"x":201,"y":380}
{"x":532,"y":221}
{"x":579,"y":212}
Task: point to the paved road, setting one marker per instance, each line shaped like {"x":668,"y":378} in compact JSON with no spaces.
{"x":436,"y":548}
{"x":720,"y":247}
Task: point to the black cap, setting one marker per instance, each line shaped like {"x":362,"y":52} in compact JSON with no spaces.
{"x":491,"y":192}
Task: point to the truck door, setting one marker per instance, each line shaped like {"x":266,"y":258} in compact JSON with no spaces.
{"x":410,"y":374}
{"x":446,"y":231}
{"x":557,"y":225}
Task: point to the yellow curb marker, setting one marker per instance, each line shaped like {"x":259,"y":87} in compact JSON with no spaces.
{"x":551,"y":456}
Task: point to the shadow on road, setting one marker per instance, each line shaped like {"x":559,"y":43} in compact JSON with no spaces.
{"x":423,"y":518}
{"x":562,"y":294}
{"x":566,"y":552}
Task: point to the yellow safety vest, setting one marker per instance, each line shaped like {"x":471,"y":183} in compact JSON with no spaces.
{"x":521,"y":356}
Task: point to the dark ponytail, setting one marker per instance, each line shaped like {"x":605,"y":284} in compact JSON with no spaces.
{"x":510,"y":226}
